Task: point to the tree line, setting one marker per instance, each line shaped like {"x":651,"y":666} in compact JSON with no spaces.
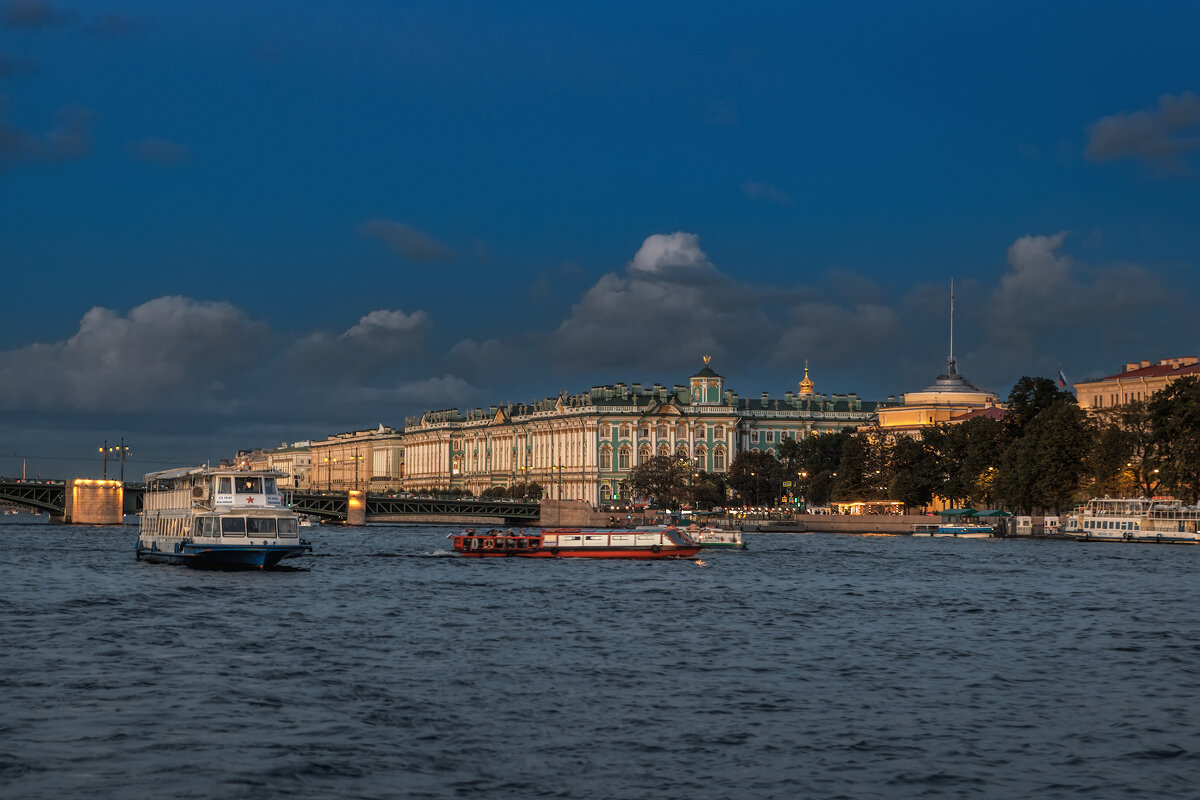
{"x":1045,"y":454}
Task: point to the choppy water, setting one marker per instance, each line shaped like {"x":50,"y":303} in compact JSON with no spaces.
{"x":811,"y":666}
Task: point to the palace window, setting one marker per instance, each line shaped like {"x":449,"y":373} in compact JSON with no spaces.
{"x":605,"y":457}
{"x":605,"y":431}
{"x":645,"y":432}
{"x":664,"y":449}
{"x":718,"y":459}
{"x":719,"y":432}
{"x":701,"y":457}
{"x":681,"y":431}
{"x":770,"y":437}
{"x":623,"y":456}
{"x":605,"y":492}
{"x":753,"y":437}
{"x":625,"y":429}
{"x":681,"y":452}
{"x":643,"y":454}
{"x":662,"y":431}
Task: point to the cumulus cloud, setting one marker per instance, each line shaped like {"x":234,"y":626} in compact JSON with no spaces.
{"x":376,"y":342}
{"x":1159,"y":136}
{"x":168,"y":349}
{"x":837,"y":332}
{"x":158,"y":151}
{"x":34,"y":15}
{"x":406,"y":241}
{"x":70,"y":138}
{"x":757,"y":190}
{"x":671,"y":306}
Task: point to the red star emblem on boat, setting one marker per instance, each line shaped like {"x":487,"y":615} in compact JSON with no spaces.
{"x":249,"y":501}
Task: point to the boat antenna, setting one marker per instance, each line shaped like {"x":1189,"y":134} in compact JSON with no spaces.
{"x":950,"y":364}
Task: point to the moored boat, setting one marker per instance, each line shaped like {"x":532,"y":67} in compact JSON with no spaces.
{"x":1135,"y":519}
{"x":577,"y":543}
{"x":217,"y":517}
{"x":718,"y":538}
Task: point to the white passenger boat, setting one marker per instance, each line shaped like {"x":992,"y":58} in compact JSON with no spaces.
{"x":718,"y":538}
{"x":1135,"y":519}
{"x":217,"y":517}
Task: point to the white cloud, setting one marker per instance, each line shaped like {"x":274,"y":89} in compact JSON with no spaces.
{"x":664,"y":252}
{"x":405,"y":240}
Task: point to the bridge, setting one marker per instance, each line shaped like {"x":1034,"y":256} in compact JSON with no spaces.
{"x":353,"y":508}
{"x":387,"y":507}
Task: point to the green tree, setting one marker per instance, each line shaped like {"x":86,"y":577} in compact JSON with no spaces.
{"x":755,"y":474}
{"x":913,"y":475}
{"x":1175,"y":425}
{"x":1045,"y":467}
{"x":1029,"y":396}
{"x":665,"y":479}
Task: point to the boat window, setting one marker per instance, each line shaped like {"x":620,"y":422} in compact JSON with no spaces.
{"x":225,"y":486}
{"x":232,"y":526}
{"x":249,"y":485}
{"x":271,"y":487}
{"x":196,"y":527}
{"x":288,"y":526}
{"x":208,"y":525}
{"x":260,"y":525}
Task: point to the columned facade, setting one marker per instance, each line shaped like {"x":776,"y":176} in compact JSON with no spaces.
{"x":583,"y":446}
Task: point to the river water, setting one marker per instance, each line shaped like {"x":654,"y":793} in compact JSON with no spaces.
{"x":810,"y":666}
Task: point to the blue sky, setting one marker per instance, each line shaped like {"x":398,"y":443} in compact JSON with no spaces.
{"x":229,"y":225}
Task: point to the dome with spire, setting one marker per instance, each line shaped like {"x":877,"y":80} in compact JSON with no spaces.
{"x":806,"y":385}
{"x":707,"y":386}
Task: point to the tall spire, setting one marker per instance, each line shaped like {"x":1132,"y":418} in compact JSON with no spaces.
{"x":806,"y":385}
{"x":950,"y":368}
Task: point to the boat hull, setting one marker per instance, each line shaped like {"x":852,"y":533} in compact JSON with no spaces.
{"x":590,"y":552}
{"x":224,"y":556}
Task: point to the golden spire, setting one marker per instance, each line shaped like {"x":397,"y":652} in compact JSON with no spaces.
{"x":707,"y":359}
{"x":806,"y":385}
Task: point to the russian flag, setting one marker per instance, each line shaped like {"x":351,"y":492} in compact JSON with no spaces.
{"x":1062,"y":379}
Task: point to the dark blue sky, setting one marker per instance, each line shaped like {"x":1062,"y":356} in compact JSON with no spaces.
{"x":228,"y":225}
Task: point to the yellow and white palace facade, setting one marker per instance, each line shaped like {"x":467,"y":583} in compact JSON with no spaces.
{"x":583,"y":446}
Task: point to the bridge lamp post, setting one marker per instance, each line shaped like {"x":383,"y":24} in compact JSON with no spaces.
{"x":357,"y":459}
{"x":329,"y":462}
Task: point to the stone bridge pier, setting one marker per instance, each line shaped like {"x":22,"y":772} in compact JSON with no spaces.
{"x":93,"y":502}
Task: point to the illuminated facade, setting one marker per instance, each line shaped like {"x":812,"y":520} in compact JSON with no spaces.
{"x":1137,"y":383}
{"x":583,"y":446}
{"x":951,"y":399}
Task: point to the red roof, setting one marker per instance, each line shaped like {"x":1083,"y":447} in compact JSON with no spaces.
{"x":1152,"y":371}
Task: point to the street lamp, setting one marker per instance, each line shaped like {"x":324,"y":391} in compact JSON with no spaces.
{"x":120,"y":450}
{"x":357,"y":459}
{"x":329,"y":462}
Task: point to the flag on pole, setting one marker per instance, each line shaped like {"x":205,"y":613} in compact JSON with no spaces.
{"x":1062,"y":379}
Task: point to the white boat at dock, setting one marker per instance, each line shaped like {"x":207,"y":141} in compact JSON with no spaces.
{"x":217,"y":517}
{"x":1135,"y":519}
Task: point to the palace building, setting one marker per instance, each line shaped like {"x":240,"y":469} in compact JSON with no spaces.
{"x":951,"y":399}
{"x":1139,"y":380}
{"x":583,"y":446}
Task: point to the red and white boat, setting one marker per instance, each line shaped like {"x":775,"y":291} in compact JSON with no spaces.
{"x":577,"y":543}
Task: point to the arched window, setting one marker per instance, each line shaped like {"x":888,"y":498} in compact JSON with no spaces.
{"x":702,"y":456}
{"x":719,"y":432}
{"x":605,"y":457}
{"x":718,"y":459}
{"x":625,"y":431}
{"x":664,"y":449}
{"x":605,"y":492}
{"x":623,"y":456}
{"x":643,"y":454}
{"x":681,"y":452}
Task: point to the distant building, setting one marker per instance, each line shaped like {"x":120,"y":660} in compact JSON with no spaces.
{"x":1137,"y":383}
{"x":951,"y":399}
{"x":368,"y":460}
{"x":583,"y":446}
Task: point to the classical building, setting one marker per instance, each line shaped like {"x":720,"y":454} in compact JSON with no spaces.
{"x":583,"y":446}
{"x":368,"y":460}
{"x":293,"y":460}
{"x":951,"y":399}
{"x":1138,"y":382}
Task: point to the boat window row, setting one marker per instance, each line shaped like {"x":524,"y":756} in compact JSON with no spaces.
{"x":243,"y":526}
{"x":1112,"y":525}
{"x":250,"y":484}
